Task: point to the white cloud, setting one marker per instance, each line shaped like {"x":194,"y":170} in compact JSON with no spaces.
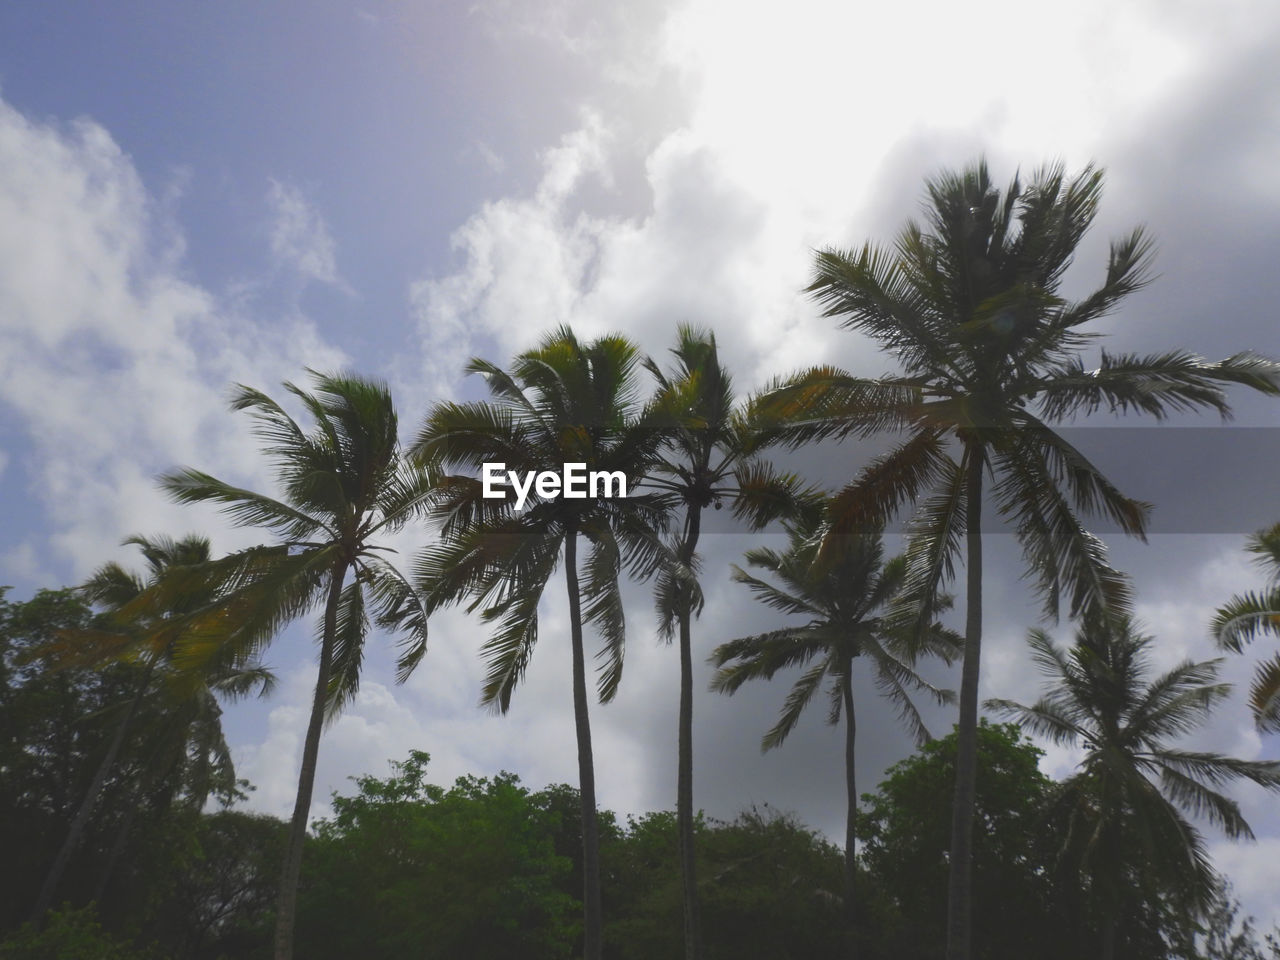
{"x":1254,"y":871}
{"x":300,"y":239}
{"x":115,"y":364}
{"x":524,"y":258}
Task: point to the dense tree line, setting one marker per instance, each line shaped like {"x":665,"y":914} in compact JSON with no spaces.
{"x":112,"y":692}
{"x":487,"y":867}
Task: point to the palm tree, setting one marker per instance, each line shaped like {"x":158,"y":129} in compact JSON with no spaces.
{"x":1125,"y":808}
{"x":190,"y":728}
{"x":846,"y":595}
{"x":345,"y":485}
{"x":1248,"y":614}
{"x":563,"y":402}
{"x":707,"y":458}
{"x":969,"y":304}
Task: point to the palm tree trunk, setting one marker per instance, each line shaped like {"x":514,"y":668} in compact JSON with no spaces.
{"x":76,"y":831}
{"x":684,"y":751}
{"x":850,"y":838}
{"x":960,"y":881}
{"x":117,"y":850}
{"x":287,"y":899}
{"x":592,"y":909}
{"x":1108,"y":939}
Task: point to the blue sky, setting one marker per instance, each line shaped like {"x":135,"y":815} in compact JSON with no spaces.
{"x":192,"y":195}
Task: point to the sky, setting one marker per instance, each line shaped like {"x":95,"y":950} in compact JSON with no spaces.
{"x":193,"y":196}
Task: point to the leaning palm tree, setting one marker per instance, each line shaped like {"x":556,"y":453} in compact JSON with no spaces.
{"x":707,"y":458}
{"x":970,"y":305}
{"x":847,"y":596}
{"x":345,"y":485}
{"x":1127,"y":829}
{"x":1249,"y":614}
{"x":563,"y":402}
{"x":137,"y":632}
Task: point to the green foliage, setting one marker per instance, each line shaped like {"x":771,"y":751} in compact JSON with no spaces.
{"x":203,"y":886}
{"x":55,"y":727}
{"x":49,"y":728}
{"x":845,"y":595}
{"x":1130,"y":839}
{"x":769,"y":889}
{"x":1250,"y":614}
{"x":563,"y":401}
{"x":406,"y":868}
{"x":68,"y":935}
{"x":345,"y":485}
{"x":905,"y":833}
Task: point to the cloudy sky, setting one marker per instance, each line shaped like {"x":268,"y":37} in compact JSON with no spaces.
{"x":200,"y":195}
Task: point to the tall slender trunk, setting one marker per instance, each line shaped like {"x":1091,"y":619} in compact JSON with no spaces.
{"x":592,"y":909}
{"x":287,"y":899}
{"x":850,"y":837}
{"x":117,"y":851}
{"x":1108,"y":939}
{"x":684,"y":750}
{"x":76,"y":832}
{"x":960,"y":881}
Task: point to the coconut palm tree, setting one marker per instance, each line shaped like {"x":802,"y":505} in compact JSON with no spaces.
{"x":344,"y":486}
{"x":190,"y":733}
{"x":970,"y":305}
{"x":1126,"y":809}
{"x":847,"y":596}
{"x":1248,"y":614}
{"x":563,"y":402}
{"x":707,"y":458}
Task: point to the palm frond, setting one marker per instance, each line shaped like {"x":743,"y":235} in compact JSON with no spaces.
{"x":348,"y":649}
{"x":244,"y":507}
{"x":1245,"y":617}
{"x":603,"y":606}
{"x":801,"y":693}
{"x":1264,"y":696}
{"x":398,"y":607}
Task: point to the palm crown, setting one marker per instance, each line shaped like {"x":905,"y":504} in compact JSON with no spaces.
{"x":845,"y":596}
{"x":1127,"y":806}
{"x":564,"y":402}
{"x":708,"y":456}
{"x":1249,"y":614}
{"x":970,"y":306}
{"x":345,"y":485}
{"x":847,"y":600}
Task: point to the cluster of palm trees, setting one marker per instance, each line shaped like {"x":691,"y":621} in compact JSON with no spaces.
{"x":969,"y":305}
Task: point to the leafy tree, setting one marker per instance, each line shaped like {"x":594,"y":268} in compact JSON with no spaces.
{"x":708,"y":457}
{"x":1126,"y":809}
{"x":1223,"y":933}
{"x":67,"y":935}
{"x":1019,"y":910}
{"x":769,"y":889}
{"x":844,"y":596}
{"x":204,"y":886}
{"x":345,"y":486}
{"x":190,"y":732}
{"x":564,"y":402}
{"x":407,"y":868}
{"x":1248,"y":614}
{"x":970,"y":306}
{"x":52,"y":736}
